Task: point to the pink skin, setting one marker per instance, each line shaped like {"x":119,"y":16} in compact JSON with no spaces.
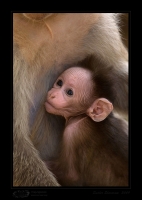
{"x":74,"y":80}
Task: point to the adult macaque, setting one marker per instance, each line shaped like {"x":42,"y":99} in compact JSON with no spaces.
{"x":94,"y":150}
{"x":45,"y":44}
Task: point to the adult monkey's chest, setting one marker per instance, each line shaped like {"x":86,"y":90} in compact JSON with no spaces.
{"x":59,"y":39}
{"x":50,"y":46}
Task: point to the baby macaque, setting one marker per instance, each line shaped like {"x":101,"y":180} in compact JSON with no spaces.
{"x":94,"y":146}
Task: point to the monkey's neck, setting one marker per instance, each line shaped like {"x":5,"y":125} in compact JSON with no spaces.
{"x":75,"y":119}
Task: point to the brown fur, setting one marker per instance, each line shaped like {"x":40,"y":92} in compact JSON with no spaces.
{"x":44,"y":46}
{"x":124,"y":20}
{"x":93,"y":153}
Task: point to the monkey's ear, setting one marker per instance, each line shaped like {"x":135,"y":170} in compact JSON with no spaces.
{"x":100,"y":109}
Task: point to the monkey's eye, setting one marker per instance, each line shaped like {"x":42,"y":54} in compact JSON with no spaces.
{"x":69,"y":92}
{"x":60,"y":83}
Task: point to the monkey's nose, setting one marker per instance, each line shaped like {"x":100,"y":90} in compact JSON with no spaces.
{"x":51,"y":96}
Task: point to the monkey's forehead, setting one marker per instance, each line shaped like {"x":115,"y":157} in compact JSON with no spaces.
{"x":77,"y":73}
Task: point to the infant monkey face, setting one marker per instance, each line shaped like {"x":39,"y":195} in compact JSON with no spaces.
{"x":69,"y":92}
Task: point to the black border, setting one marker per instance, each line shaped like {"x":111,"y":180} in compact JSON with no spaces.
{"x":20,"y":192}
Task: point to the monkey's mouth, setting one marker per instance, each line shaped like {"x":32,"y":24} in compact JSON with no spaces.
{"x":48,"y":105}
{"x":47,"y":102}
